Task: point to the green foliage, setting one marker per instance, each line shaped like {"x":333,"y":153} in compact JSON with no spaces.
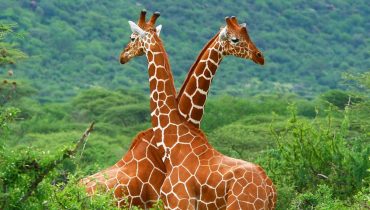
{"x":9,"y":54}
{"x":304,"y":54}
{"x":320,"y":159}
{"x":311,"y":153}
{"x":339,"y":98}
{"x":245,"y":138}
{"x":321,"y":199}
{"x":7,"y":116}
{"x":225,"y":110}
{"x":58,"y":190}
{"x":93,"y":102}
{"x":127,"y":115}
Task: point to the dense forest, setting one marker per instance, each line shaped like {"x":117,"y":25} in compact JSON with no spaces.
{"x":75,"y":44}
{"x":303,"y":116}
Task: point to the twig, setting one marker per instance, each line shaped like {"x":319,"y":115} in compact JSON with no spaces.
{"x":66,"y":154}
{"x":322,"y":176}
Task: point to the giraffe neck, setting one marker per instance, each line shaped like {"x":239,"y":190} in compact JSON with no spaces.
{"x":163,"y":103}
{"x":193,"y":95}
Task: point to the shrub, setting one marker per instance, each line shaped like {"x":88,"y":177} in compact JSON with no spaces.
{"x":314,"y":153}
{"x":340,"y":98}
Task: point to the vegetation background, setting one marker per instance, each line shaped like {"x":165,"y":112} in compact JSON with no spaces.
{"x":304,"y":116}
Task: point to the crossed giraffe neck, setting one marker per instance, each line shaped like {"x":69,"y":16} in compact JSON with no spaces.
{"x":163,"y":102}
{"x":194,"y":94}
{"x":197,"y":175}
{"x":193,"y":166}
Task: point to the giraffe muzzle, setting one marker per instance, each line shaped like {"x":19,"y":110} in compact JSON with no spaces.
{"x":124,"y":58}
{"x":258,"y":58}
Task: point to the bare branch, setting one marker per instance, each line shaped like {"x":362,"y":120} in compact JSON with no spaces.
{"x":66,"y":154}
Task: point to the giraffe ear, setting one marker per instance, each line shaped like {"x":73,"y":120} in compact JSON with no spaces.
{"x":136,"y":29}
{"x":223,"y":33}
{"x":158,"y":29}
{"x":243,"y":25}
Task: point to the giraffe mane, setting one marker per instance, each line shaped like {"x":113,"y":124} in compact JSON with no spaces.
{"x":192,"y":68}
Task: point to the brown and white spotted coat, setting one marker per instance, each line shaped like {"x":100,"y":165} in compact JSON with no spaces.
{"x":195,"y":171}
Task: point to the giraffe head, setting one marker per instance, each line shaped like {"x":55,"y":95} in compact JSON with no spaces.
{"x":235,"y":41}
{"x":140,"y":31}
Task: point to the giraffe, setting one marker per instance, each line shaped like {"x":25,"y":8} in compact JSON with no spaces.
{"x":199,"y":68}
{"x":197,"y":176}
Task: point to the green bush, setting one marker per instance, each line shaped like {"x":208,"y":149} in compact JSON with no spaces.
{"x":340,"y":98}
{"x":318,"y":152}
{"x":127,"y":115}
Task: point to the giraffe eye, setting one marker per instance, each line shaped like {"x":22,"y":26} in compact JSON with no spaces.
{"x":132,"y":38}
{"x":235,"y":40}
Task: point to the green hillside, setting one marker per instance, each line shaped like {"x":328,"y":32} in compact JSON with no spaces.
{"x":303,"y":116}
{"x":76,"y":44}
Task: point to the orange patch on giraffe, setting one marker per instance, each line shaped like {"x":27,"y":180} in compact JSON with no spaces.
{"x":207,"y":194}
{"x":243,"y":181}
{"x":201,"y":65}
{"x":171,"y":102}
{"x":150,"y":191}
{"x":163,"y":120}
{"x":214,"y":178}
{"x":168,"y":87}
{"x":194,"y":163}
{"x":200,"y":149}
{"x":151,"y":70}
{"x":185,"y":104}
{"x":199,"y":98}
{"x":212,"y":65}
{"x":159,"y":60}
{"x":207,"y":73}
{"x":180,"y":190}
{"x":183,"y":130}
{"x":161,"y":73}
{"x":155,"y":96}
{"x":184,"y":175}
{"x":174,"y":176}
{"x":191,"y":86}
{"x":252,"y":189}
{"x":160,"y":86}
{"x":160,"y":103}
{"x":261,"y":192}
{"x":156,"y":177}
{"x":259,"y":204}
{"x":154,"y":121}
{"x":257,"y":179}
{"x":153,"y":85}
{"x":196,"y":113}
{"x":184,"y":203}
{"x":202,"y":205}
{"x":134,"y":181}
{"x":172,"y":201}
{"x":171,"y":130}
{"x":165,"y":109}
{"x":153,"y":105}
{"x":214,"y":55}
{"x":162,"y":96}
{"x":221,"y":188}
{"x":150,"y":55}
{"x":237,"y":189}
{"x":143,"y":166}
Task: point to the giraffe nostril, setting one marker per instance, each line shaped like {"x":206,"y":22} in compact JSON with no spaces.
{"x":259,"y":55}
